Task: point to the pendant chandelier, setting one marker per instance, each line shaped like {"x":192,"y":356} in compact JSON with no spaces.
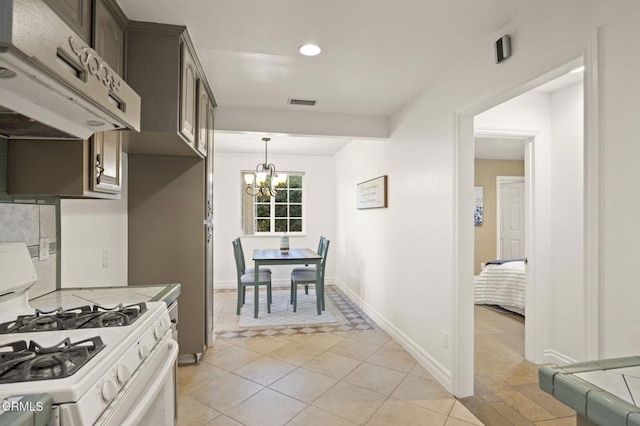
{"x":266,"y":179}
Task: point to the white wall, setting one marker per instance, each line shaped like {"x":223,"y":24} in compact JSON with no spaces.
{"x":567,"y":224}
{"x":89,"y":228}
{"x":319,"y":212}
{"x":420,"y":159}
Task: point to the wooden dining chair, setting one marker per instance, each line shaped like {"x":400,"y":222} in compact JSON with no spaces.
{"x":247,"y":279}
{"x":244,"y":266}
{"x":309,"y":276}
{"x":308,"y":268}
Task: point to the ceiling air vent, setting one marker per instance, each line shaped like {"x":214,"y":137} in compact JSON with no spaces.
{"x":307,"y":102}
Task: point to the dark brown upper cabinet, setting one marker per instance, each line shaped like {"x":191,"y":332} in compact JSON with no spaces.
{"x":75,"y":13}
{"x":73,"y":168}
{"x":204,"y":124}
{"x":163,"y":68}
{"x":188,"y":96}
{"x":109,"y":25}
{"x":64,"y":168}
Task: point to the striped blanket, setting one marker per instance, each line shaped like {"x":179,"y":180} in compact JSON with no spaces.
{"x":501,"y":284}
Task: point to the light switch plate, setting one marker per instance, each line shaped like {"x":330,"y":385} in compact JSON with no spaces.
{"x":44,"y":249}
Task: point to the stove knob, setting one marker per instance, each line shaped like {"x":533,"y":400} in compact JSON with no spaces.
{"x":123,"y":374}
{"x":143,"y":351}
{"x":158,"y":332}
{"x":109,"y":390}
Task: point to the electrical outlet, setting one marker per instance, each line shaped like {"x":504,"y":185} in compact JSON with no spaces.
{"x":44,"y":249}
{"x":105,"y":258}
{"x":445,"y":339}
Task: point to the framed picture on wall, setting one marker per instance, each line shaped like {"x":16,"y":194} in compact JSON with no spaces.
{"x":372,"y":194}
{"x":478,"y":211}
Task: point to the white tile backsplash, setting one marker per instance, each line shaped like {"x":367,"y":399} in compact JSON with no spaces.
{"x":46,"y":272}
{"x":28,"y":223}
{"x":48,"y":222}
{"x":20,"y":222}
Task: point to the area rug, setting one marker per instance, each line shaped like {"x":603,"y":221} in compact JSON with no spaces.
{"x":340,"y":315}
{"x":282,"y":312}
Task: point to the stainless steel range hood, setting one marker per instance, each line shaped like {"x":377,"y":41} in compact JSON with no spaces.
{"x":52,"y":84}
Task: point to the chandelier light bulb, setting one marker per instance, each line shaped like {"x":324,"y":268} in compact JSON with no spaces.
{"x":261,"y":178}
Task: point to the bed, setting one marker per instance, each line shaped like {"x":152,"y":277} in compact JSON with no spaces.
{"x":501,"y":283}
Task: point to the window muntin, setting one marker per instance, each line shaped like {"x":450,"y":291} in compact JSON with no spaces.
{"x":282,"y":213}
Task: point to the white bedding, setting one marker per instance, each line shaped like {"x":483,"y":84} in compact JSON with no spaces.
{"x":501,"y":285}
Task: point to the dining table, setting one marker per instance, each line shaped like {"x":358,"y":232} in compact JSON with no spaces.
{"x":298,"y":256}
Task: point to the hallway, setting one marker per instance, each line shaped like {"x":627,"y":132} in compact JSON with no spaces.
{"x":359,"y":377}
{"x":339,"y":378}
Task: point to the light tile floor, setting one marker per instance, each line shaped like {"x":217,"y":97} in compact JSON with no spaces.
{"x":338,"y":378}
{"x":506,"y":387}
{"x":364,"y":377}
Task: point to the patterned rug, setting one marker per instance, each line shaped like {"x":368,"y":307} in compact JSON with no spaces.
{"x":340,"y":315}
{"x":282,"y":312}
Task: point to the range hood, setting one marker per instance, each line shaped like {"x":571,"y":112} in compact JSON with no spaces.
{"x":52,"y":84}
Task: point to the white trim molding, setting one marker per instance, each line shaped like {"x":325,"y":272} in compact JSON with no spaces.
{"x":424,"y":359}
{"x":593,"y":200}
{"x":554,"y":357}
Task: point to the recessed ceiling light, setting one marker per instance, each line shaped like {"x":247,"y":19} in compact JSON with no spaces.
{"x":579,"y":69}
{"x":310,"y":49}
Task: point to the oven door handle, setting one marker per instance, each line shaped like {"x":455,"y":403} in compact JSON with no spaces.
{"x":142,"y":406}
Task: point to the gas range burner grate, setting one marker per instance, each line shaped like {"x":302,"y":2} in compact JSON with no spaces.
{"x":22,"y":363}
{"x":71,"y":319}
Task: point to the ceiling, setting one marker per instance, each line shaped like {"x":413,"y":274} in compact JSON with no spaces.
{"x":376,"y":54}
{"x":499,"y":149}
{"x":249,"y":142}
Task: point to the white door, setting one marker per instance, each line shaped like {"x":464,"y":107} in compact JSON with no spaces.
{"x":511,"y":219}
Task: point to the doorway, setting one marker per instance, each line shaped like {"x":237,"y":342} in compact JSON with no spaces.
{"x":539,"y":347}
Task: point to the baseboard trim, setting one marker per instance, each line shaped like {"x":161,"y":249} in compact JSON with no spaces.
{"x":555,"y":357}
{"x":432,"y":365}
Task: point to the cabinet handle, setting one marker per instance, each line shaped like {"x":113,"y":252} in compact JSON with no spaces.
{"x":99,"y":168}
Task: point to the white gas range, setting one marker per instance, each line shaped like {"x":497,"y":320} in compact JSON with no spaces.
{"x":102,"y":365}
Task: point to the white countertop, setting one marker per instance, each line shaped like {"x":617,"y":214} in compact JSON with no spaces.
{"x":69,"y":298}
{"x":621,"y":382}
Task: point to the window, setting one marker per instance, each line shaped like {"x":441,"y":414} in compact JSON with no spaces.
{"x":282,"y":213}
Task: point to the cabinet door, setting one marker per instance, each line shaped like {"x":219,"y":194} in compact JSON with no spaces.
{"x":209,"y":294}
{"x":108,"y":41}
{"x":106,"y":162}
{"x":108,"y":37}
{"x":188,"y":97}
{"x":210,"y":127}
{"x":203,"y":124}
{"x":76,"y":14}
